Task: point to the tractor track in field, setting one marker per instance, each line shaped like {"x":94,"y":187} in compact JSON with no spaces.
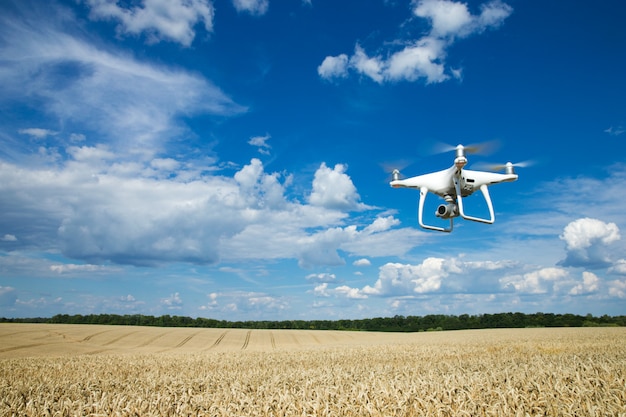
{"x":218,"y":341}
{"x":110,"y":342}
{"x":273,"y":340}
{"x":316,"y":339}
{"x":247,"y":341}
{"x":89,"y":337}
{"x":185,"y":340}
{"x":22,"y":347}
{"x":151,"y":340}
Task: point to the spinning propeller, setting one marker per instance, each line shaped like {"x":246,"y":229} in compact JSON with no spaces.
{"x":508,"y":167}
{"x":483,"y":148}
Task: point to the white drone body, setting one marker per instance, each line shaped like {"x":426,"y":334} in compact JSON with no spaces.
{"x":453,"y":184}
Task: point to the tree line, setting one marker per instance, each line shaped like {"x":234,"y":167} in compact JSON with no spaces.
{"x":431,"y":322}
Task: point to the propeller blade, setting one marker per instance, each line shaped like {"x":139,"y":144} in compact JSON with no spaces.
{"x":400,"y":164}
{"x":483,"y":148}
{"x":499,"y":167}
{"x":392,"y":169}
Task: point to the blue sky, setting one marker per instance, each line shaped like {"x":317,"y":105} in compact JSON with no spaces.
{"x":227,"y":159}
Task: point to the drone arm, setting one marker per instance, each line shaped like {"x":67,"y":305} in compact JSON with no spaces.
{"x":485,"y":191}
{"x":420,"y":214}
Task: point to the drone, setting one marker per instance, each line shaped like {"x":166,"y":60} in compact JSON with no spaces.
{"x":454,"y":184}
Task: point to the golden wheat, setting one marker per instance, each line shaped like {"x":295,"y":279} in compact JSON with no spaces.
{"x":131,"y":371}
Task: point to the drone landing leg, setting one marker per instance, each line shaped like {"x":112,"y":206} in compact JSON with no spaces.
{"x":420,"y":214}
{"x":485,"y":191}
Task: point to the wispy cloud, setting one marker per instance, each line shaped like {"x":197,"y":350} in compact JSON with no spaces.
{"x":37,"y":132}
{"x":423,"y":58}
{"x":615,"y":130}
{"x":253,"y":7}
{"x":136,"y":105}
{"x":260,"y":142}
{"x":172,"y":20}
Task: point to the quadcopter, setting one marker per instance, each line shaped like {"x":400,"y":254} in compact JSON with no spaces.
{"x":453,"y":184}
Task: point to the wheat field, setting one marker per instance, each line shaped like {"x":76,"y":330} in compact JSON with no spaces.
{"x":82,"y":370}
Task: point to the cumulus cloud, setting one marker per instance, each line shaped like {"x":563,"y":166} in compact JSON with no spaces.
{"x":382,"y":224}
{"x":619,"y":267}
{"x":96,"y":209}
{"x":173,"y":302}
{"x":587,"y":240}
{"x":321,"y":277}
{"x":334,"y":67}
{"x":536,"y":282}
{"x":260,"y":304}
{"x":589,"y":284}
{"x":422,"y":58}
{"x":396,"y":278}
{"x":253,"y":7}
{"x":362,"y":262}
{"x":333,"y":189}
{"x":617,"y":288}
{"x":128,"y":298}
{"x":342,"y":291}
{"x":432,"y":276}
{"x":172,"y":20}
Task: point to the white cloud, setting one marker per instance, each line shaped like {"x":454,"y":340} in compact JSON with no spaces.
{"x":586,"y":242}
{"x":135,"y":104}
{"x":321,"y":277}
{"x":165,"y":164}
{"x":431,"y":276}
{"x":91,"y":154}
{"x":333,"y":189}
{"x":422,"y":58}
{"x":321,"y":290}
{"x":173,"y":302}
{"x":583,"y":233}
{"x":353,"y":293}
{"x":405,"y":279}
{"x":382,"y":224}
{"x":617,"y":288}
{"x":262,"y":305}
{"x":536,"y":282}
{"x":372,"y":67}
{"x":453,"y":19}
{"x":447,"y":18}
{"x":172,"y":20}
{"x":68,"y":268}
{"x":37,"y":133}
{"x":9,"y":238}
{"x":261,"y":143}
{"x":97,"y":209}
{"x":619,"y":267}
{"x":362,"y":262}
{"x":253,"y":7}
{"x":590,"y":284}
{"x":334,"y":67}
